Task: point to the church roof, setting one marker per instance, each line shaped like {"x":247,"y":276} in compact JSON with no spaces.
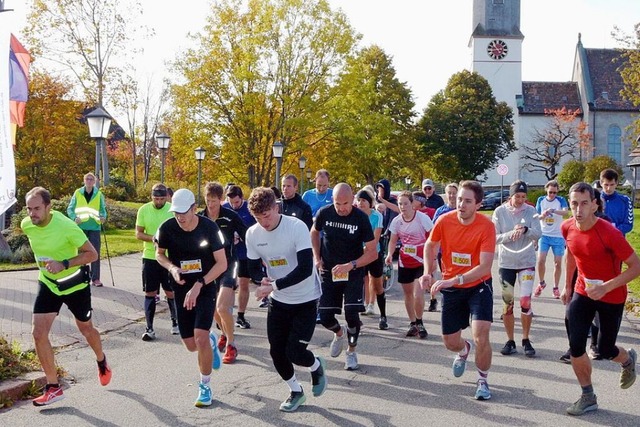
{"x":606,"y":82}
{"x":540,"y":96}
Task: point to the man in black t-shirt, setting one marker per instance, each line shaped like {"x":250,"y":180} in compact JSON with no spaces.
{"x":347,"y":244}
{"x":190,"y":247}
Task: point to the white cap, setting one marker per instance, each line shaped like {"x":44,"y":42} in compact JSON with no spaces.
{"x":182,"y":201}
{"x":427,"y":183}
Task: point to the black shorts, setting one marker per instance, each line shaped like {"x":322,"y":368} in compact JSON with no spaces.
{"x":375,"y":268}
{"x":78,"y":302}
{"x":407,"y":276}
{"x":458,"y":304}
{"x":228,"y":278}
{"x":199,"y":317}
{"x":352,"y":291}
{"x":243,"y":268}
{"x":153,"y":276}
{"x":581,"y":312}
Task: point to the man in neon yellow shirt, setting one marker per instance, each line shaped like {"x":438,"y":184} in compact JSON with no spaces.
{"x":87,"y":208}
{"x":150,"y":216}
{"x":62,"y":251}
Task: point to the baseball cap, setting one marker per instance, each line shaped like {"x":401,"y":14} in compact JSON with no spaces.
{"x":182,"y":201}
{"x":427,"y":183}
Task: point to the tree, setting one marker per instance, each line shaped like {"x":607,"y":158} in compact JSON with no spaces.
{"x":261,"y":73}
{"x":565,"y":135}
{"x":465,"y":131}
{"x":630,"y":68}
{"x":372,"y":115}
{"x":593,"y":167}
{"x":572,"y":172}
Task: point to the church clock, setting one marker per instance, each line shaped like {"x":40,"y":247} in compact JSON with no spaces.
{"x":497,"y":49}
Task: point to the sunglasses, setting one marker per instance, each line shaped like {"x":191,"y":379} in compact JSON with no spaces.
{"x":553,"y":192}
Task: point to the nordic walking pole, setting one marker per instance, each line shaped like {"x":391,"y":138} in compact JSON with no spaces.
{"x":106,"y":246}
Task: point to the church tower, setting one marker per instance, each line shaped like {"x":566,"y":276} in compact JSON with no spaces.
{"x":496,"y":42}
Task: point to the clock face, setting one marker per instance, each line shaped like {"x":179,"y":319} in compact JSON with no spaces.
{"x":497,"y":49}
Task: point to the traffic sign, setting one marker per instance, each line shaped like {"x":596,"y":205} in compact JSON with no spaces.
{"x":502,"y":169}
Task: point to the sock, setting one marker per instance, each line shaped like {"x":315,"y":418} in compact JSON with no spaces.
{"x":205,"y":379}
{"x":316,"y":365}
{"x":48,"y":386}
{"x":293,"y":383}
{"x":587,"y":389}
{"x":102,"y":363}
{"x":382,"y":304}
{"x":465,"y":351}
{"x":172,"y":309}
{"x":482,"y":375}
{"x":418,"y":321}
{"x":627,"y":363}
{"x":241,"y":315}
{"x":149,"y":310}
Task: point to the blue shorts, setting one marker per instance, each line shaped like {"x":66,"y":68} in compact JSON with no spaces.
{"x":557,"y":245}
{"x":460,"y":304}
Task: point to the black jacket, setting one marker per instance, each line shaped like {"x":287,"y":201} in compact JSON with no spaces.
{"x":298,"y":208}
{"x":388,"y":214}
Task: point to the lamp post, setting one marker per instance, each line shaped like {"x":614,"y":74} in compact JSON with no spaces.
{"x":634,"y":164}
{"x":407,"y":181}
{"x":278,"y":149}
{"x":302,"y":163}
{"x":162,"y":139}
{"x":99,"y":123}
{"x":309,"y":174}
{"x":200,"y":152}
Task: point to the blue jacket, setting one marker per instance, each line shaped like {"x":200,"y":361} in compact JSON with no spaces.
{"x":619,"y":208}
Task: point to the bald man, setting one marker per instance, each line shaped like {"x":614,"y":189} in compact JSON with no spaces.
{"x":343,"y":243}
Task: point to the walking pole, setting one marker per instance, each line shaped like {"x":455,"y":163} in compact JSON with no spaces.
{"x":106,"y":246}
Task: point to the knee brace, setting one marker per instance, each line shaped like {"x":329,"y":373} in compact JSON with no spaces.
{"x":525,"y":305}
{"x":526,"y":277}
{"x":353,"y":326}
{"x":329,"y":321}
{"x":507,"y":299}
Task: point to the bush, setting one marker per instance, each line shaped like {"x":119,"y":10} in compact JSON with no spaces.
{"x":120,"y":217}
{"x":533,"y":195}
{"x":593,"y":167}
{"x":572,"y":172}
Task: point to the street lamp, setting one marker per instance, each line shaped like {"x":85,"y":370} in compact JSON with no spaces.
{"x":200,"y":152}
{"x":162,"y":139}
{"x":99,"y":122}
{"x":302,"y":163}
{"x":278,"y":149}
{"x":407,"y":181}
{"x":309,"y":173}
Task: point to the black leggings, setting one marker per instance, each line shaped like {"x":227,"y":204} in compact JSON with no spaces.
{"x":581,"y":313}
{"x":289,"y":329}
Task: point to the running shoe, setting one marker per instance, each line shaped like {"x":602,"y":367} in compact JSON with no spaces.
{"x":230,"y":355}
{"x":413,"y":330}
{"x":628,"y":374}
{"x":483,"y":392}
{"x":204,"y":395}
{"x":586,"y":403}
{"x":556,"y":293}
{"x":369,"y":310}
{"x":529,"y":351}
{"x":319,"y":379}
{"x":222,"y":343}
{"x":422,"y":331}
{"x":293,"y":402}
{"x":382,"y":324}
{"x":460,"y":362}
{"x":242,"y":323}
{"x":566,"y":357}
{"x":175,"y":330}
{"x":433,"y":305}
{"x":97,"y":283}
{"x":149,"y":335}
{"x":51,"y":395}
{"x":213,"y":339}
{"x":104,"y":372}
{"x":539,"y":289}
{"x":157,"y":298}
{"x":593,"y":352}
{"x":509,"y":348}
{"x":264,"y":304}
{"x":351,"y":364}
{"x":337,"y":345}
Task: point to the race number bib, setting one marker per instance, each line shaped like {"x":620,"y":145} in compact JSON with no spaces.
{"x":278,"y":262}
{"x":191,"y":266}
{"x":410,"y":249}
{"x":549,"y":220}
{"x":340,"y":277}
{"x":462,"y":260}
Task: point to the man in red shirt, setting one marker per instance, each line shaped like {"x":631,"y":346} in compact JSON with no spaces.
{"x":601,"y":288}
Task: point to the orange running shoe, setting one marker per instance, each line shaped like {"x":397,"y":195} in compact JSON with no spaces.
{"x":230,"y":355}
{"x":51,"y":395}
{"x":104,"y":372}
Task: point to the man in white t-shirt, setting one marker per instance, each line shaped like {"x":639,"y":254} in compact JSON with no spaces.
{"x":551,"y":210}
{"x":283,"y":244}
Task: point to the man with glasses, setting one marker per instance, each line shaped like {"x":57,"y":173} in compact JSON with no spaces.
{"x":434,"y":201}
{"x":551,"y":209}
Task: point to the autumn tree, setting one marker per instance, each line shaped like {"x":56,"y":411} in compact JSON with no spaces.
{"x":464,"y":130}
{"x":373,"y":120}
{"x":630,"y":68}
{"x":565,"y":135}
{"x":261,"y":73}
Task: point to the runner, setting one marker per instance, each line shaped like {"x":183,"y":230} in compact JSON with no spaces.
{"x":320,"y":196}
{"x":412,"y":228}
{"x":191,"y":249}
{"x":468,"y":241}
{"x":283,"y":244}
{"x":292,"y":203}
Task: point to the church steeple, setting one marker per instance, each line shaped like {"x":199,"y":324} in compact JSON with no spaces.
{"x":496,"y":18}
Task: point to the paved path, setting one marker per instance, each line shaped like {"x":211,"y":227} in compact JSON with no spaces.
{"x":402,"y":381}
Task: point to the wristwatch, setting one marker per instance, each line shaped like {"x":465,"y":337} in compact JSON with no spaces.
{"x":354,"y":264}
{"x":65,"y":262}
{"x":460,"y":280}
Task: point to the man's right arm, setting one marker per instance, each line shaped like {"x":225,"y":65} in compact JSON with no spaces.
{"x":141,"y":235}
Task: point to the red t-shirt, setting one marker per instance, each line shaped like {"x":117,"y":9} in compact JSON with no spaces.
{"x":598,"y":252}
{"x":461,"y":244}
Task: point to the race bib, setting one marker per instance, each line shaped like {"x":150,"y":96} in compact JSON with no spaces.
{"x":462,"y":260}
{"x":340,"y":277}
{"x":527,"y":276}
{"x":278,"y":262}
{"x":410,"y":249}
{"x":191,"y":266}
{"x":549,"y":220}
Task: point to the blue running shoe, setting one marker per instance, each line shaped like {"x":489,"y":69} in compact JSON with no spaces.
{"x":319,"y":378}
{"x":295,"y":399}
{"x":217,"y":360}
{"x":482,"y":392}
{"x":204,"y":396}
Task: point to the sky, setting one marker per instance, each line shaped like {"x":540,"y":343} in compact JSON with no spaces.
{"x":427,"y":39}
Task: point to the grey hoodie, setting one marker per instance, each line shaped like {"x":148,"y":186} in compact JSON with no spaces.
{"x":518,"y":254}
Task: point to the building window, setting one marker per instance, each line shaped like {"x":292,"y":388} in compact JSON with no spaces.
{"x":614,"y":143}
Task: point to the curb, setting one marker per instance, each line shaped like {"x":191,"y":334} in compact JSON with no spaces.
{"x":14,"y":389}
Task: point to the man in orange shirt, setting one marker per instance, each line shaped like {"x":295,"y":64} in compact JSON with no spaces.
{"x":467,"y":241}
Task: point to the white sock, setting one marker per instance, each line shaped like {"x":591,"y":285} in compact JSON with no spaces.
{"x":293,"y":383}
{"x":316,"y":365}
{"x":205,"y":379}
{"x":465,"y":351}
